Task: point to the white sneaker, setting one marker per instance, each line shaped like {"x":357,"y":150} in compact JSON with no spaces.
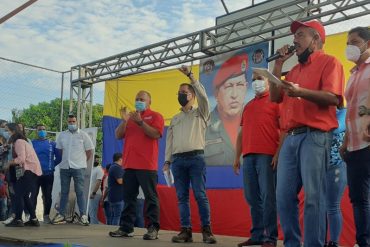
{"x":58,"y":219}
{"x":8,"y":220}
{"x":84,"y":220}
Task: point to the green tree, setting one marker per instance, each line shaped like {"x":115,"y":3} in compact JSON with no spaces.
{"x":48,"y":113}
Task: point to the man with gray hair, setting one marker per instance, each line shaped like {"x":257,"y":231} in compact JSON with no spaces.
{"x":309,"y":95}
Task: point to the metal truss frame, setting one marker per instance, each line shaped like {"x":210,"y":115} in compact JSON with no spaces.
{"x":266,"y":25}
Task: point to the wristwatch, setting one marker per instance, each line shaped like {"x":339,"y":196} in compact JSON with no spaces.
{"x":94,"y":193}
{"x":363,"y":110}
{"x":167,"y":162}
{"x":140,"y":123}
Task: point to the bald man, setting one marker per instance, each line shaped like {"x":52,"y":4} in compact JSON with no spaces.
{"x":141,"y":130}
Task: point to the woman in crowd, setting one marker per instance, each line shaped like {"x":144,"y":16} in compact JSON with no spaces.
{"x":336,"y":179}
{"x":24,"y":169}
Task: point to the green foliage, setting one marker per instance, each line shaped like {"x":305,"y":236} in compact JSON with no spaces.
{"x":48,"y":113}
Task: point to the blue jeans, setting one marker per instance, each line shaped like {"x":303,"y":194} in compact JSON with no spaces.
{"x":115,"y":212}
{"x":336,"y":180}
{"x":108,"y":215}
{"x":78,"y":176}
{"x":259,"y":190}
{"x":358,"y":175}
{"x":3,"y":208}
{"x":93,"y":209}
{"x":192,"y":170}
{"x":303,"y":160}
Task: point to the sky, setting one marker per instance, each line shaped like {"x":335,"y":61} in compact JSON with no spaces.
{"x":59,"y":34}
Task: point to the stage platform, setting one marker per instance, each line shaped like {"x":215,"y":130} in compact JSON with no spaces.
{"x":96,"y":236}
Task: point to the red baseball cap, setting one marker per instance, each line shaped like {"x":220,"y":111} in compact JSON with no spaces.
{"x":312,"y":24}
{"x":232,"y":67}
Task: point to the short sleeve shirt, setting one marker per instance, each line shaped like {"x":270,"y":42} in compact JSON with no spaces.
{"x":321,"y":72}
{"x":260,"y":126}
{"x":139,"y":150}
{"x":357,"y":91}
{"x":96,"y":174}
{"x":74,"y":146}
{"x":115,"y":190}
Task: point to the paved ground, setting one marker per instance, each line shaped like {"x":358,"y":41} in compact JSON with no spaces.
{"x":97,"y":236}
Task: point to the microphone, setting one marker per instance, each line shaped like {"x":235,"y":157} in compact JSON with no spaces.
{"x":278,"y":55}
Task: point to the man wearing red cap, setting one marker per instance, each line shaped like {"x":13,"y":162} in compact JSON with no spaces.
{"x":230,"y":87}
{"x":309,"y":97}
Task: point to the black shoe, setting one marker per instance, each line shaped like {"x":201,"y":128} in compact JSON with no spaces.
{"x":208,"y":237}
{"x":119,"y":234}
{"x":151,"y":234}
{"x":185,"y":236}
{"x":250,"y":242}
{"x":15,"y":223}
{"x":33,"y":222}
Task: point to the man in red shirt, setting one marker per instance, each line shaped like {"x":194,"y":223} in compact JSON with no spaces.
{"x":258,"y":141}
{"x":141,"y":130}
{"x":309,"y":97}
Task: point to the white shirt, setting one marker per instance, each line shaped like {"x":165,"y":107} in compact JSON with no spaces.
{"x":96,"y":174}
{"x":74,"y":146}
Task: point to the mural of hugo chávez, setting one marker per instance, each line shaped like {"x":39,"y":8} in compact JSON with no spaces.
{"x":229,"y":90}
{"x":226,"y":79}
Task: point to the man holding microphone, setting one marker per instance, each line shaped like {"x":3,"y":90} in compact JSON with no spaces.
{"x":309,"y":96}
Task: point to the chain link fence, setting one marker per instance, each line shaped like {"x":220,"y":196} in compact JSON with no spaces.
{"x":24,"y":84}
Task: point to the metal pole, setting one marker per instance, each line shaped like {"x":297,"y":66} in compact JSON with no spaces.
{"x":225,"y":7}
{"x":82,"y":107}
{"x":79,"y":121}
{"x":71,"y":95}
{"x":61,"y":104}
{"x":91,"y":106}
{"x":16,"y":11}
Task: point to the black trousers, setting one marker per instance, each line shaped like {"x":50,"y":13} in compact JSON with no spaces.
{"x":46,"y":184}
{"x":148,"y":180}
{"x":24,"y":189}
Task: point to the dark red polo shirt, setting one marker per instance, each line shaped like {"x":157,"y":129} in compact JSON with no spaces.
{"x":260,"y":126}
{"x":139,"y":150}
{"x":322,"y":72}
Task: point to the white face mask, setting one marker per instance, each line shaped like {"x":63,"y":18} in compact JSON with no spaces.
{"x":353,"y":53}
{"x":259,"y":86}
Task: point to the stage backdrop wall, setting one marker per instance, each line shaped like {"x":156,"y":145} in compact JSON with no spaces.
{"x":230,"y":213}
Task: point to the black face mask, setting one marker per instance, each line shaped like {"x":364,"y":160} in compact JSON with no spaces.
{"x":96,"y":163}
{"x":183,"y":99}
{"x":304,"y":56}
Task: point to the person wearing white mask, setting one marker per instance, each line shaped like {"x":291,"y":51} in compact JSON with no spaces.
{"x":258,"y":142}
{"x":76,"y":149}
{"x":356,"y":149}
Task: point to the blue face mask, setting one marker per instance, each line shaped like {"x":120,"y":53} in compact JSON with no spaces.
{"x":4,"y":133}
{"x":140,"y":106}
{"x":72,"y":127}
{"x":42,"y":134}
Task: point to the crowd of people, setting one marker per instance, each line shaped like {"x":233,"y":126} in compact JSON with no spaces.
{"x":292,"y":135}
